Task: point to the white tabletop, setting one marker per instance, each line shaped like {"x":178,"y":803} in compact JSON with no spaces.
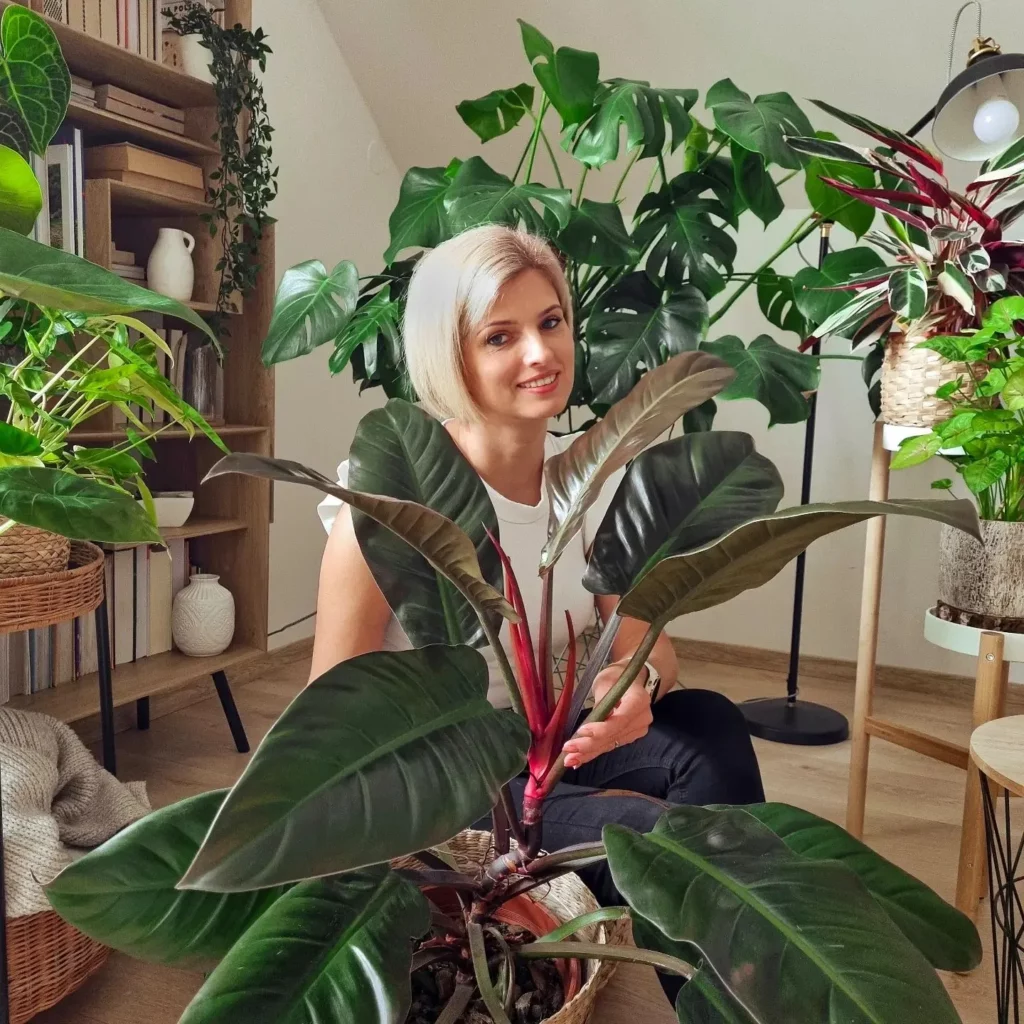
{"x":967,"y":639}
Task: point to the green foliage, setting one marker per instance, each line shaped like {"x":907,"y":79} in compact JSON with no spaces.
{"x":828,"y":202}
{"x":20,"y":195}
{"x":498,"y":112}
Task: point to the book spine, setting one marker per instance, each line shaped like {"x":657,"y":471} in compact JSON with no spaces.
{"x":6,"y":640}
{"x":79,"y":156}
{"x":92,"y":23}
{"x":124,"y":606}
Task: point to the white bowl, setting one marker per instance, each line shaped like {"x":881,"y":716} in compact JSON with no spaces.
{"x":172,"y":510}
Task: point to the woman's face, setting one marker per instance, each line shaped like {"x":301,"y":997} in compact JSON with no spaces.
{"x":519,"y":363}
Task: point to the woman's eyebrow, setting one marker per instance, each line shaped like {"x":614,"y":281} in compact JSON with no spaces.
{"x":512,"y":323}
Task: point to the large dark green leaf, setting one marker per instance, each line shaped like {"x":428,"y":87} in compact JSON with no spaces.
{"x":51,"y":277}
{"x":311,"y":308}
{"x":755,"y":184}
{"x":419,"y":217}
{"x":758,"y":550}
{"x":498,"y":112}
{"x":20,"y":196}
{"x":402,"y":452}
{"x":596,"y":235}
{"x":686,"y":244}
{"x":643,"y":111}
{"x":947,"y":938}
{"x":439,"y":541}
{"x":831,"y":204}
{"x":73,"y":506}
{"x":777,"y":299}
{"x":378,"y":315}
{"x":634,"y":329}
{"x":678,"y":496}
{"x":816,"y":292}
{"x":124,"y":894}
{"x":382,"y":755}
{"x":770,"y":373}
{"x":761,"y":124}
{"x":568,"y":76}
{"x":336,"y":949}
{"x":34,"y":77}
{"x":481,"y":195}
{"x":13,"y":133}
{"x":574,"y":477}
{"x":799,"y":941}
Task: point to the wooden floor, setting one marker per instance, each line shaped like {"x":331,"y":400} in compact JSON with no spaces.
{"x":913,"y":818}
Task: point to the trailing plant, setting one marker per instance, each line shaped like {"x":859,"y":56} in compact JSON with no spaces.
{"x":245,"y":184}
{"x":983,"y":437}
{"x":648,"y":280}
{"x":286,"y":881}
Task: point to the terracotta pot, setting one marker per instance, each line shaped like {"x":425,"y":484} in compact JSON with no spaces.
{"x":982,"y":585}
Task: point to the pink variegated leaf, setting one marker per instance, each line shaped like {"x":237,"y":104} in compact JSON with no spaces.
{"x":976,"y":214}
{"x":864,"y":194}
{"x":938,"y":194}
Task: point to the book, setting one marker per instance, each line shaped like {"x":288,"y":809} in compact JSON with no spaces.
{"x":92,"y":15}
{"x":16,"y":668}
{"x":112,"y":92}
{"x":78,"y":156}
{"x":109,"y":21}
{"x":63,"y":652}
{"x":160,"y":597}
{"x":76,"y":14}
{"x":41,"y":231}
{"x":124,"y":606}
{"x":88,"y":653}
{"x":66,"y":199}
{"x":144,"y":116}
{"x":177,"y":548}
{"x":5,"y":675}
{"x":40,"y":654}
{"x":123,"y":257}
{"x":140,"y":611}
{"x":130,"y":273}
{"x":133,"y":43}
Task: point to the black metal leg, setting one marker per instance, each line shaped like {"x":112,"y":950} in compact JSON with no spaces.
{"x":106,"y":689}
{"x":227,"y":702}
{"x":142,"y":713}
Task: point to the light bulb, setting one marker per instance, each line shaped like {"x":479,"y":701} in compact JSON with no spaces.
{"x":996,"y":120}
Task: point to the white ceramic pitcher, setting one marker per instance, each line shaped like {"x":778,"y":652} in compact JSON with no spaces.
{"x":170,"y":271}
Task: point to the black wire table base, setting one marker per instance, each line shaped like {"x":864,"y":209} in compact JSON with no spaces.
{"x":1005,"y":871}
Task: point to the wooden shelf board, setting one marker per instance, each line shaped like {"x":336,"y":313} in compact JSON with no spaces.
{"x":197,"y":526}
{"x":108,"y":123}
{"x":126,"y":198}
{"x":102,"y":62}
{"x":71,"y":702}
{"x":172,"y":433}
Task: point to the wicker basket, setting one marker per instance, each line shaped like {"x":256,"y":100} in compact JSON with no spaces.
{"x":26,"y":551}
{"x":47,"y":960}
{"x":32,"y":602}
{"x":566,"y":897}
{"x":910,"y":377}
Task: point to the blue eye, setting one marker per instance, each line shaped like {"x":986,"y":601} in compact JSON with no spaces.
{"x":497,"y":340}
{"x":551,"y":322}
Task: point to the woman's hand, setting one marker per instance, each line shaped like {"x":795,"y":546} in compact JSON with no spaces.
{"x":630,"y":719}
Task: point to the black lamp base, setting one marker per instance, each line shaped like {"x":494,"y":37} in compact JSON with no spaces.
{"x":800,"y":722}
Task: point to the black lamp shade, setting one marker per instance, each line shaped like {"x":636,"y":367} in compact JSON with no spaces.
{"x":953,"y":130}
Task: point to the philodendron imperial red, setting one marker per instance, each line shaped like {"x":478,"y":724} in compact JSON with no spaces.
{"x":286,"y":881}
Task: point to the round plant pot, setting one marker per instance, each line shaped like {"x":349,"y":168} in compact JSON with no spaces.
{"x":203,"y":617}
{"x":982,"y":585}
{"x":195,"y":58}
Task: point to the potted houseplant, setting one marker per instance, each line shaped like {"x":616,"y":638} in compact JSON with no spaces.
{"x":981,"y":583}
{"x":297,"y":879}
{"x":950,"y":262}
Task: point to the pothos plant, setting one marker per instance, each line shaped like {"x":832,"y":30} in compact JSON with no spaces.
{"x":649,"y":277}
{"x":286,"y":879}
{"x":245,"y":184}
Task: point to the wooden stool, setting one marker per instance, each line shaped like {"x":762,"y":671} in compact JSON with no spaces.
{"x":997,"y":752}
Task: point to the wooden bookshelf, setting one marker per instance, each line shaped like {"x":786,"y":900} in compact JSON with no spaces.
{"x":105,"y":126}
{"x":197,"y":526}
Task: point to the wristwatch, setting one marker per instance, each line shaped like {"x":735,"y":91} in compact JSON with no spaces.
{"x":653,"y":684}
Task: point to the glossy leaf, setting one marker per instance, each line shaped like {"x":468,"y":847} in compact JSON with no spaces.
{"x":853,"y":315}
{"x":817,"y":292}
{"x":596,"y":235}
{"x":643,"y":111}
{"x":756,"y":185}
{"x":20,"y":196}
{"x":799,"y":941}
{"x":776,"y":295}
{"x":568,"y":76}
{"x":383,"y":755}
{"x":73,"y":506}
{"x":952,"y":281}
{"x":436,"y":538}
{"x":769,"y":373}
{"x":13,"y":133}
{"x":915,"y":450}
{"x":755,"y":552}
{"x":946,"y":937}
{"x":379,"y":315}
{"x":830,"y":204}
{"x":678,"y":496}
{"x":419,"y":217}
{"x":17,"y":442}
{"x":124,"y":893}
{"x":574,"y":477}
{"x":634,"y":329}
{"x":908,"y":293}
{"x":759,"y":125}
{"x":498,"y":112}
{"x":51,"y":277}
{"x":822,"y":146}
{"x":335,"y":949}
{"x":311,"y":308}
{"x":34,"y":77}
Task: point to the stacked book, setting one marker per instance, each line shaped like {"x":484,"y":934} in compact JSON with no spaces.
{"x":140,"y":108}
{"x":124,"y":265}
{"x":83,"y":91}
{"x":142,"y":168}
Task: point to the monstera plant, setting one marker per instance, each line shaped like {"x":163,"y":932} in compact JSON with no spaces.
{"x":287,"y":883}
{"x":648,"y":279}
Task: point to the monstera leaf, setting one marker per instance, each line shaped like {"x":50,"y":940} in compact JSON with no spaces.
{"x":377,"y":315}
{"x":498,"y":112}
{"x":311,"y":308}
{"x":829,"y":203}
{"x":419,"y":217}
{"x":797,"y":940}
{"x":777,"y":298}
{"x":678,"y":496}
{"x":568,"y":76}
{"x":758,"y":550}
{"x":635,"y":328}
{"x":20,"y":195}
{"x":384,"y":754}
{"x":124,"y":893}
{"x":596,"y":235}
{"x":574,"y":477}
{"x":333,"y":949}
{"x":755,"y":184}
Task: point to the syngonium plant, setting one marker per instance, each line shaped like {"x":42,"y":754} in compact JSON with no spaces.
{"x":285,"y":882}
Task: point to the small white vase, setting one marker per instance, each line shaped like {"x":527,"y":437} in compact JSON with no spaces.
{"x":196,"y":58}
{"x":170,"y":271}
{"x":203,"y":617}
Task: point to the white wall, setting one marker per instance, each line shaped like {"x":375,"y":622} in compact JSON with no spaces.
{"x":338,"y":184}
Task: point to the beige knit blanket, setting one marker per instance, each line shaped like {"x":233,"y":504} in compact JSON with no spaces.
{"x":55,"y":797}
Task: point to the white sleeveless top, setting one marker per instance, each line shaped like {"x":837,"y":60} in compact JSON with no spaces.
{"x":523,"y":532}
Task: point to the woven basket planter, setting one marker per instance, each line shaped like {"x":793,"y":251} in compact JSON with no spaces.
{"x":26,"y":551}
{"x":982,"y":585}
{"x":910,"y":377}
{"x":32,"y":602}
{"x":565,"y":897}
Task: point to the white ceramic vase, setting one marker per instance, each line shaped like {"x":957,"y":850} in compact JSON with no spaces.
{"x":203,"y":617}
{"x":195,"y":58}
{"x":170,"y":271}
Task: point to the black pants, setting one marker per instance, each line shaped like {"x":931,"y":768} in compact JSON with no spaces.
{"x":698,"y":751}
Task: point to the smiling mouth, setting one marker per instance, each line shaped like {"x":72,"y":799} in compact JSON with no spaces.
{"x":539,"y":382}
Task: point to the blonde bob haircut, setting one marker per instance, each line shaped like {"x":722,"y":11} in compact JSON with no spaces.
{"x":450,"y":294}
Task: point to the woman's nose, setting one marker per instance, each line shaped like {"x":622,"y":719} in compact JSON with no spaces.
{"x":537,"y":351}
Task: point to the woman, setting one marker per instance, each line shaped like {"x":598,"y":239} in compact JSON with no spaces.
{"x":489,"y":348}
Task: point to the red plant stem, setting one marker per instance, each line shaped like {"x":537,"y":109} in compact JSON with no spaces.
{"x":544,"y":661}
